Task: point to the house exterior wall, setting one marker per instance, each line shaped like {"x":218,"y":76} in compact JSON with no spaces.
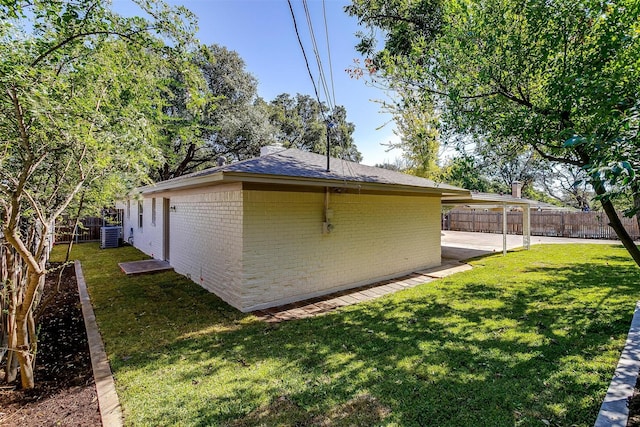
{"x":286,"y":257}
{"x":257,"y":249}
{"x":149,"y":237}
{"x":205,"y":229}
{"x":206,"y":238}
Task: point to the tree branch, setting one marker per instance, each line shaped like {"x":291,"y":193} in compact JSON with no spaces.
{"x":557,"y":159}
{"x":128,"y":36}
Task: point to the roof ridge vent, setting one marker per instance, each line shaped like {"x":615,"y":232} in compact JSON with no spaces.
{"x":271,"y":149}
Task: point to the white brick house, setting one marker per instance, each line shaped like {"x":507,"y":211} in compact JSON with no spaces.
{"x":280,"y":228}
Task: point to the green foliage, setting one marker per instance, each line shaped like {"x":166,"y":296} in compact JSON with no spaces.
{"x":80,"y":114}
{"x":234,"y":122}
{"x":231,"y":122}
{"x":301,"y":122}
{"x":418,"y":129}
{"x":463,"y":171}
{"x":537,"y":73}
{"x":526,"y":339}
{"x":559,"y":78}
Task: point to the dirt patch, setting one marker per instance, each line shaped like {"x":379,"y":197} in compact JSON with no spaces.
{"x":362,"y":410}
{"x":65,"y":392}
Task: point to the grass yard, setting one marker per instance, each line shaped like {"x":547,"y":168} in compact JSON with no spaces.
{"x":528,"y":339}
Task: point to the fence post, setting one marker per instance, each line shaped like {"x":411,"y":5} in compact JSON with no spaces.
{"x":526,"y":227}
{"x":504,"y":228}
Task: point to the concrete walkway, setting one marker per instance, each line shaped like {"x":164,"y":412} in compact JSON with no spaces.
{"x":457,"y":246}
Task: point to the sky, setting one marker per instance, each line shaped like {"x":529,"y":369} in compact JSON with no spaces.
{"x":262,"y":32}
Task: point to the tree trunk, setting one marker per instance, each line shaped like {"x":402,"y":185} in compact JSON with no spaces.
{"x":616,"y":224}
{"x":24,"y":351}
{"x":636,"y":202}
{"x":11,"y":367}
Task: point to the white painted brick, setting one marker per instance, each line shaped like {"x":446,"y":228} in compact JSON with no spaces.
{"x":262,"y":248}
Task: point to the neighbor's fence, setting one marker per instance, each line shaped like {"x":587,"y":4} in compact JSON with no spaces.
{"x":586,"y":225}
{"x":88,"y":229}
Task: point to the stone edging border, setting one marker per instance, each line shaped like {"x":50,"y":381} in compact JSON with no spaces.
{"x":110,"y":410}
{"x":614,"y":411}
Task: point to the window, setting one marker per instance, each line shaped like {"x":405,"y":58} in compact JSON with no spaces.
{"x":128,"y":209}
{"x":153,"y":211}
{"x":140,"y":214}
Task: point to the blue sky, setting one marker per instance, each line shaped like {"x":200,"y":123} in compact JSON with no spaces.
{"x":262,"y":33}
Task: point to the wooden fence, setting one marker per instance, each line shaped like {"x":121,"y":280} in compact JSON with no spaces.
{"x":89,"y":228}
{"x":586,"y":225}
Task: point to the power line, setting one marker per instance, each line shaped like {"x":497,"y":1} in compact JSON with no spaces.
{"x":316,"y":51}
{"x":331,"y":100}
{"x":304,"y":54}
{"x":326,"y":32}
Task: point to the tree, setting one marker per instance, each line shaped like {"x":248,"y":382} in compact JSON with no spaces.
{"x":301,"y":122}
{"x":507,"y":162}
{"x":80,"y":110}
{"x":464,"y":171}
{"x":232,"y":123}
{"x":568,"y":184}
{"x":558,"y":77}
{"x":418,"y":129}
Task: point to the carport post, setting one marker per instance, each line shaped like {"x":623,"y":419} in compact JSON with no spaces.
{"x":504,"y":229}
{"x":526,"y":227}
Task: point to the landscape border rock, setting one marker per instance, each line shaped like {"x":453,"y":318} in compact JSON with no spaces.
{"x":614,"y":411}
{"x":108,"y":402}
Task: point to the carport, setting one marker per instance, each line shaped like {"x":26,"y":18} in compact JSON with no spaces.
{"x":478,"y":200}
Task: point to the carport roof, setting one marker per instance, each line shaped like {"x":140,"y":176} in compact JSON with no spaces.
{"x":490,"y":200}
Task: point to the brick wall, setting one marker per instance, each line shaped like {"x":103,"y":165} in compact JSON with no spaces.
{"x":286,"y":257}
{"x":269,"y":249}
{"x":206,"y":238}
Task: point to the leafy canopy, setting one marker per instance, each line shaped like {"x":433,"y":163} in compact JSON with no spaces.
{"x":80,"y":115}
{"x":557,"y":77}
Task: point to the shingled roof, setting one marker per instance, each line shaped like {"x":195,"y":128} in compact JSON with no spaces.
{"x":293,"y":166}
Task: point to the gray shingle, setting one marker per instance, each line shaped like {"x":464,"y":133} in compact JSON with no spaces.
{"x":302,"y":164}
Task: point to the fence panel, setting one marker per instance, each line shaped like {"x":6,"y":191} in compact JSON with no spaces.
{"x":88,"y":230}
{"x":589,"y":225}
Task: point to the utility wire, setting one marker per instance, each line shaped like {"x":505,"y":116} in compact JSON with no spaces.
{"x":304,"y":54}
{"x":316,"y":51}
{"x":331,"y":100}
{"x":326,"y":32}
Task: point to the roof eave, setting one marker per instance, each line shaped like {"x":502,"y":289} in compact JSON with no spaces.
{"x":198,"y":181}
{"x":338,"y":183}
{"x":230,"y":177}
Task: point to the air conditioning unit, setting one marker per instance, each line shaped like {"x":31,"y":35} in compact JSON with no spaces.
{"x":109,"y":237}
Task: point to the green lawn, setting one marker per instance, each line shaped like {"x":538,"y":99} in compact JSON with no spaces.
{"x":528,"y":339}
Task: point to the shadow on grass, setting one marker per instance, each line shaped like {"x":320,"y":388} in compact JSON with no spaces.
{"x":469,"y":350}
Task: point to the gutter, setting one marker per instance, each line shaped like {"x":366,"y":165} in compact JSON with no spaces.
{"x":229,"y":177}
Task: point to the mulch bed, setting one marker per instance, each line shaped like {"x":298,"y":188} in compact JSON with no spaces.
{"x":65,"y":392}
{"x":634,"y":407}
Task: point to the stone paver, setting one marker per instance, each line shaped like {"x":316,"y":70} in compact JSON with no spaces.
{"x":317,"y":306}
{"x":145,"y":266}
